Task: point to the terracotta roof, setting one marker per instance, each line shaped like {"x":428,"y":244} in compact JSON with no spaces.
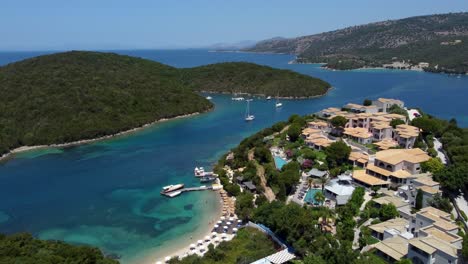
{"x":318,"y":124}
{"x":426,"y":179}
{"x":395,"y":247}
{"x":378,"y":170}
{"x":308,"y":131}
{"x":401,"y":174}
{"x":397,"y":224}
{"x":357,"y":132}
{"x":390,"y":101}
{"x":356,"y":155}
{"x":395,"y":156}
{"x":431,"y":244}
{"x":440,"y":218}
{"x":442,"y":235}
{"x":428,"y":189}
{"x":397,"y":201}
{"x":386,"y":144}
{"x":407,"y":131}
{"x":362,"y":176}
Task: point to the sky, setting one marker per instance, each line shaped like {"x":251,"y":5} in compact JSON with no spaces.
{"x":152,"y":24}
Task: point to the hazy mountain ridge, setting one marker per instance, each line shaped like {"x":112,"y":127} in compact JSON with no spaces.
{"x":374,"y":44}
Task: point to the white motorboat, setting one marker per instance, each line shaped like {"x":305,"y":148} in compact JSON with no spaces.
{"x":171,"y":188}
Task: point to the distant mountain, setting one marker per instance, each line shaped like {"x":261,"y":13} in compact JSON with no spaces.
{"x":233,"y":46}
{"x":440,"y":40}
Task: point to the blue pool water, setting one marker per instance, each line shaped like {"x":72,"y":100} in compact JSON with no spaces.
{"x":106,"y":194}
{"x":279,"y":162}
{"x":310,"y":196}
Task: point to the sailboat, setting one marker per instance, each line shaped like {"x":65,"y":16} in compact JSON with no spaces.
{"x":248,"y":116}
{"x":278,"y":103}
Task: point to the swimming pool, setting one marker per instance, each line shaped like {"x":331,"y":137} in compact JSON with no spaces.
{"x":279,"y":162}
{"x":310,"y":196}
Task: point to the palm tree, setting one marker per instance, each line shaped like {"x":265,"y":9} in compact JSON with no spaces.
{"x":319,"y":197}
{"x":310,"y":182}
{"x":323,"y":181}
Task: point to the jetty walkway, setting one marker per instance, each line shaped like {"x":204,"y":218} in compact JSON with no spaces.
{"x":189,"y":189}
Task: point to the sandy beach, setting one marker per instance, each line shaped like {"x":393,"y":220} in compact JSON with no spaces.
{"x":87,"y":141}
{"x":181,"y":246}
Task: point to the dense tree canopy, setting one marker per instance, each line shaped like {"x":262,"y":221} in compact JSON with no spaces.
{"x":23,"y":248}
{"x":77,"y":95}
{"x":337,"y":153}
{"x":242,"y":77}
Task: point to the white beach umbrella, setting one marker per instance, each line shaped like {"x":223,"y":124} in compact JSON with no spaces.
{"x":193,"y":246}
{"x":207,"y":238}
{"x":200,"y":242}
{"x":213,"y":234}
{"x":223,"y":218}
{"x":234,"y":229}
{"x":223,"y":235}
{"x":220,"y":222}
{"x":239,"y":221}
{"x":225,"y":227}
{"x":158,"y":262}
{"x":167,"y":258}
{"x":231,"y":218}
{"x":216,"y":226}
{"x":228,"y":223}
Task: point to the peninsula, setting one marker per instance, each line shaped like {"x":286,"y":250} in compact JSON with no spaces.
{"x":434,"y":43}
{"x":78,"y":96}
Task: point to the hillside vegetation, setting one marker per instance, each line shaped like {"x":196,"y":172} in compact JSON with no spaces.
{"x":23,"y":248}
{"x":242,"y":77}
{"x":441,"y":40}
{"x":77,"y":95}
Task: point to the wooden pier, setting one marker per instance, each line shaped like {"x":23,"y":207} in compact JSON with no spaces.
{"x":189,"y":189}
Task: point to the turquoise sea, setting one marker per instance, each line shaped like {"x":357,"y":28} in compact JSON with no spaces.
{"x":106,"y":194}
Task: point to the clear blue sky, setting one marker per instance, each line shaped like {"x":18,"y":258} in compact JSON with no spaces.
{"x":115,"y":24}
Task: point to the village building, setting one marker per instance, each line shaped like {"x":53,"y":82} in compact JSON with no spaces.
{"x":392,"y":167}
{"x":384,"y":104}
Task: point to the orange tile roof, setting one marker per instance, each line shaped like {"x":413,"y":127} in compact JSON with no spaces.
{"x":395,"y":156}
{"x":362,"y":176}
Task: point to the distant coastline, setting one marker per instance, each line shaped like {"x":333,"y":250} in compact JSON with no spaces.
{"x":280,"y":97}
{"x":87,"y":141}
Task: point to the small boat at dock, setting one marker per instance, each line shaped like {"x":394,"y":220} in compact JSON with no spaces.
{"x":172,"y":188}
{"x":200,"y":172}
{"x":207,"y":179}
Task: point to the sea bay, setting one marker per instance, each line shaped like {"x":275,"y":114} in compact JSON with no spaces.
{"x":106,"y":193}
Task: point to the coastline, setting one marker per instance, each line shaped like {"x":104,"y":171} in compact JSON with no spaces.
{"x":280,"y":97}
{"x":181,"y":247}
{"x":87,"y":141}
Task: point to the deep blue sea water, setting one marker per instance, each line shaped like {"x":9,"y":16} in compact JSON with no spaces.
{"x":106,"y":194}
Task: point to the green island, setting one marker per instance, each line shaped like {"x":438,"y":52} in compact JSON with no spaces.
{"x":328,"y":230}
{"x":243,"y":77}
{"x":73,"y":96}
{"x":23,"y":248}
{"x":431,"y":43}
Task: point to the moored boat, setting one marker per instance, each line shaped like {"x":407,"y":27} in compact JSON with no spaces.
{"x":207,"y":179}
{"x":171,"y":188}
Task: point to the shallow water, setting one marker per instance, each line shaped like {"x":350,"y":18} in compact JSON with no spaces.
{"x":106,"y":194}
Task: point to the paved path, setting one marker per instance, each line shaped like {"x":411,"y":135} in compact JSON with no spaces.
{"x":357,"y":232}
{"x":269,"y":194}
{"x":438,"y":148}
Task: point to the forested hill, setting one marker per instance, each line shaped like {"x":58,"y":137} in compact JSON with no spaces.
{"x":78,"y":95}
{"x":242,"y":77}
{"x":441,"y":40}
{"x":24,"y":249}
